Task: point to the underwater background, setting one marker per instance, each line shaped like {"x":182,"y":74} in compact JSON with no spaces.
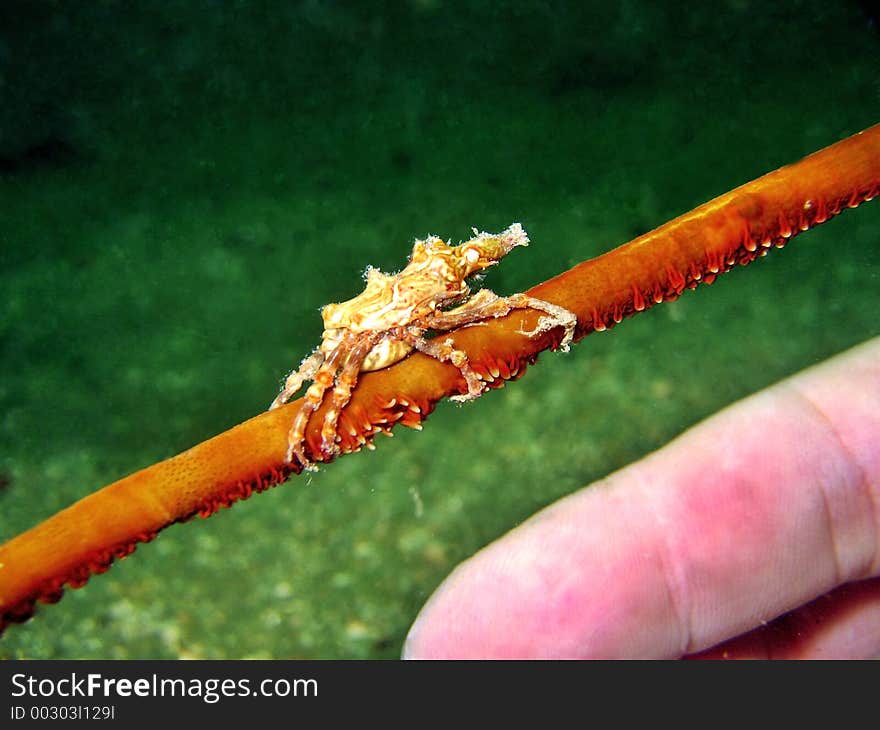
{"x":184,"y":184}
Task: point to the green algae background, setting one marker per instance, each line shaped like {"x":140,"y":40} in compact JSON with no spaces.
{"x":184,"y":184}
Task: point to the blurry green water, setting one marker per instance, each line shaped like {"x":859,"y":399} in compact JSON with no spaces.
{"x":183,"y":185}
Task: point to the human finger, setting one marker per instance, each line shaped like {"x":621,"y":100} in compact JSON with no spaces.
{"x":757,"y":510}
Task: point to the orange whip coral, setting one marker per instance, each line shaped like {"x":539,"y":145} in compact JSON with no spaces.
{"x":695,"y":248}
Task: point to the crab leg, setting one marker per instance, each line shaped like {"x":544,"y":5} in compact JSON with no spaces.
{"x":558,"y":317}
{"x":306,"y":371}
{"x":482,"y":305}
{"x":314,"y":396}
{"x":444,"y":351}
{"x":345,"y":382}
{"x":485,"y":303}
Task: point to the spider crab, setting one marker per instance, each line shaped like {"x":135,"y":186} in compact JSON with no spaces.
{"x":390,"y":318}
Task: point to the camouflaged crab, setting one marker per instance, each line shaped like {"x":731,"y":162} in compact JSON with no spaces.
{"x":389,"y":319}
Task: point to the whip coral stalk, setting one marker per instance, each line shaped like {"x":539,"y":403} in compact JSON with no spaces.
{"x":695,"y":248}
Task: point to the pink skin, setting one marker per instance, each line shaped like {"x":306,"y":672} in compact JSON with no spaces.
{"x":754,"y":534}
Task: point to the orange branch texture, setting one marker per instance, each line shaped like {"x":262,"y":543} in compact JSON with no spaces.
{"x":695,"y":248}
